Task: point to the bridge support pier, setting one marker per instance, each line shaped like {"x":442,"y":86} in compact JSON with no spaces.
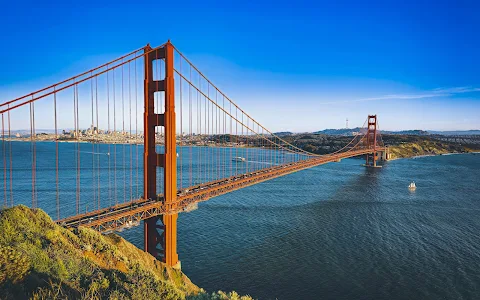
{"x":160,"y":231}
{"x":161,"y":238}
{"x":385,"y":155}
{"x":371,"y":160}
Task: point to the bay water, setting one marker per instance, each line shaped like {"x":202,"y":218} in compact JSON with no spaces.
{"x":337,"y":231}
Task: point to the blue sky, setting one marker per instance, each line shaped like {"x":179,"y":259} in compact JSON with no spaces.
{"x":293,"y":65}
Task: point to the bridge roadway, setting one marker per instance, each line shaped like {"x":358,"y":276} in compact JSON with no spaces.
{"x":131,"y":213}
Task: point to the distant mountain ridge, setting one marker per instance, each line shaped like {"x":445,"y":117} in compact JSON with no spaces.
{"x":342,"y":131}
{"x":283,"y":133}
{"x":457,"y":132}
{"x":352,"y":131}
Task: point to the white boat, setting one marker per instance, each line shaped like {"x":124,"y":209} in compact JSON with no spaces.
{"x":128,"y":224}
{"x":239,"y":159}
{"x":412,"y":186}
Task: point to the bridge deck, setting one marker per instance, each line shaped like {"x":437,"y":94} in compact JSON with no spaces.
{"x":131,"y":213}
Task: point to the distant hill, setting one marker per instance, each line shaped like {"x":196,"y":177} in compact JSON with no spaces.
{"x":352,"y":131}
{"x":458,"y":132}
{"x":283,"y":133}
{"x":407,"y":132}
{"x":342,"y":131}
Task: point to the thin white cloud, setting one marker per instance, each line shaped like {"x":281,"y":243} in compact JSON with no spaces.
{"x":456,"y":90}
{"x":438,"y":92}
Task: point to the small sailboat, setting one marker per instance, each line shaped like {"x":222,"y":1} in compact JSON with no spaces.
{"x":239,"y":159}
{"x":412,"y":186}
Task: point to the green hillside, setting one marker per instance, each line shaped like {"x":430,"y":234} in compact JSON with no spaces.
{"x":41,"y":260}
{"x":402,"y":146}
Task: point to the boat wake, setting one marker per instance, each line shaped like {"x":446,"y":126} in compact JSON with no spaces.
{"x":96,"y":153}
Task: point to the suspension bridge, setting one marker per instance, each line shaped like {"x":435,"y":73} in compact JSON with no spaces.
{"x":142,"y":138}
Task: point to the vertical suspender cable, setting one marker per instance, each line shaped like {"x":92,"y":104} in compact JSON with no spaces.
{"x":217,"y":119}
{"x":109,"y":144}
{"x":247,"y":143}
{"x":123,"y":143}
{"x":75,"y":147}
{"x":199,"y":129}
{"x":10,"y":154}
{"x":115,"y":143}
{"x":181,"y":129}
{"x":224,"y":139}
{"x":209,"y":172}
{"x":190,"y":124}
{"x":98,"y":145}
{"x":137,"y":195}
{"x":94,"y":202}
{"x":31,"y":150}
{"x":56,"y":155}
{"x":244,"y":149}
{"x":78,"y":150}
{"x":4,"y":163}
{"x":236,"y":139}
{"x":207,"y":119}
{"x":130,"y":134}
{"x":231,"y":140}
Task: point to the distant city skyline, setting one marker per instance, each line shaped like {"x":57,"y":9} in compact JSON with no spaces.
{"x":298,"y":67}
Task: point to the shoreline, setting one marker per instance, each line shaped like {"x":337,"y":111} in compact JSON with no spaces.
{"x":107,"y":143}
{"x":212,"y":146}
{"x":434,"y":155}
